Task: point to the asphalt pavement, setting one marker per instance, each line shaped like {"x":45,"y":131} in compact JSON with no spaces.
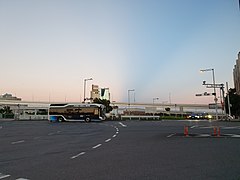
{"x":109,"y":150}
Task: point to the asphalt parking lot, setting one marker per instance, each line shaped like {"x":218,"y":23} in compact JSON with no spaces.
{"x":119,"y":150}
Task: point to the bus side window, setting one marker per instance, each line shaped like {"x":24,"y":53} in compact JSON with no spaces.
{"x":96,"y":111}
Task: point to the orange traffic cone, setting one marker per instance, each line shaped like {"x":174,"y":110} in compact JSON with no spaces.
{"x":185,"y":130}
{"x":214,"y":131}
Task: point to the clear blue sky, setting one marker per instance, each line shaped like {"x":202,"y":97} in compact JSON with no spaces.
{"x":157,"y":47}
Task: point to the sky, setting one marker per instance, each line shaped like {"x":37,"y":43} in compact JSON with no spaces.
{"x":156,"y":47}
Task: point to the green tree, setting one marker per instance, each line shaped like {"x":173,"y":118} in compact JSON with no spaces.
{"x":6,"y":112}
{"x":105,"y":103}
{"x":167,"y":109}
{"x":234,"y":101}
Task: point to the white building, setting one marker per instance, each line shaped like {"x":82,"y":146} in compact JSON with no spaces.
{"x":8,"y":96}
{"x":101,"y":93}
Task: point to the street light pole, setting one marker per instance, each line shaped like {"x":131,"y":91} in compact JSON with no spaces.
{"x":214,"y":89}
{"x":129,"y":99}
{"x":84,"y":90}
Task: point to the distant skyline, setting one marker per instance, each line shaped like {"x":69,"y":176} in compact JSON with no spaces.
{"x":157,"y":47}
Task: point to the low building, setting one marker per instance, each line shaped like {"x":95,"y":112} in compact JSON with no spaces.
{"x":8,"y":96}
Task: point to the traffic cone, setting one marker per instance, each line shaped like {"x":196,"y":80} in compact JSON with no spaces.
{"x":185,"y":130}
{"x":214,"y":131}
{"x":219,"y":134}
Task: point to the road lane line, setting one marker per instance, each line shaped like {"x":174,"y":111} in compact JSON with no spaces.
{"x":117,"y":132}
{"x":123,"y":125}
{"x":80,"y":154}
{"x":49,"y":134}
{"x":108,"y":140}
{"x":114,"y":135}
{"x":2,"y":176}
{"x":171,"y":135}
{"x":18,"y":142}
{"x":94,"y":147}
{"x":233,"y":127}
{"x":236,"y":136}
{"x":22,"y":179}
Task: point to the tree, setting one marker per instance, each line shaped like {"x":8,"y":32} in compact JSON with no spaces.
{"x":6,"y":110}
{"x":105,"y":102}
{"x":167,"y":109}
{"x":234,"y":101}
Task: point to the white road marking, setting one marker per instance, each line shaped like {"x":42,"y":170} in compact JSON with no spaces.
{"x":80,"y":154}
{"x":94,"y":147}
{"x":203,"y":135}
{"x":207,"y":127}
{"x":171,"y":135}
{"x":193,"y":127}
{"x":22,"y":179}
{"x":18,"y":142}
{"x":2,"y":176}
{"x":123,"y":125}
{"x":236,"y":136}
{"x":108,"y":140}
{"x":117,"y":132}
{"x":234,"y":127}
{"x":114,"y":135}
{"x":49,"y":134}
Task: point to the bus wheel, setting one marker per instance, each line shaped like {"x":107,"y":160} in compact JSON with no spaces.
{"x":87,"y":119}
{"x":60,"y":119}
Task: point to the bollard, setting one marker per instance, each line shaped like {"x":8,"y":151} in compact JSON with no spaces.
{"x":214,"y":131}
{"x":185,"y":130}
{"x":219,"y":134}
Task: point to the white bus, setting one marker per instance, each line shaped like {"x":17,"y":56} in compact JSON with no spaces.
{"x":76,"y":112}
{"x":31,"y":113}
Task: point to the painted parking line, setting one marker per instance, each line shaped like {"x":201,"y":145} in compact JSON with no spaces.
{"x":193,"y":127}
{"x":230,"y":127}
{"x":114,"y":135}
{"x":108,"y":140}
{"x":49,"y":134}
{"x":18,"y":142}
{"x":2,"y":176}
{"x":171,"y":135}
{"x":123,"y":125}
{"x":80,"y":154}
{"x":94,"y":147}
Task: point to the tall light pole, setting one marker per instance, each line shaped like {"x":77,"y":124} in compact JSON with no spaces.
{"x":214,"y":89}
{"x":154,"y":99}
{"x":130,"y":90}
{"x":84,"y":90}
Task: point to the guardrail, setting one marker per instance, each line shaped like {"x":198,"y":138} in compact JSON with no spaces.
{"x":142,"y":117}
